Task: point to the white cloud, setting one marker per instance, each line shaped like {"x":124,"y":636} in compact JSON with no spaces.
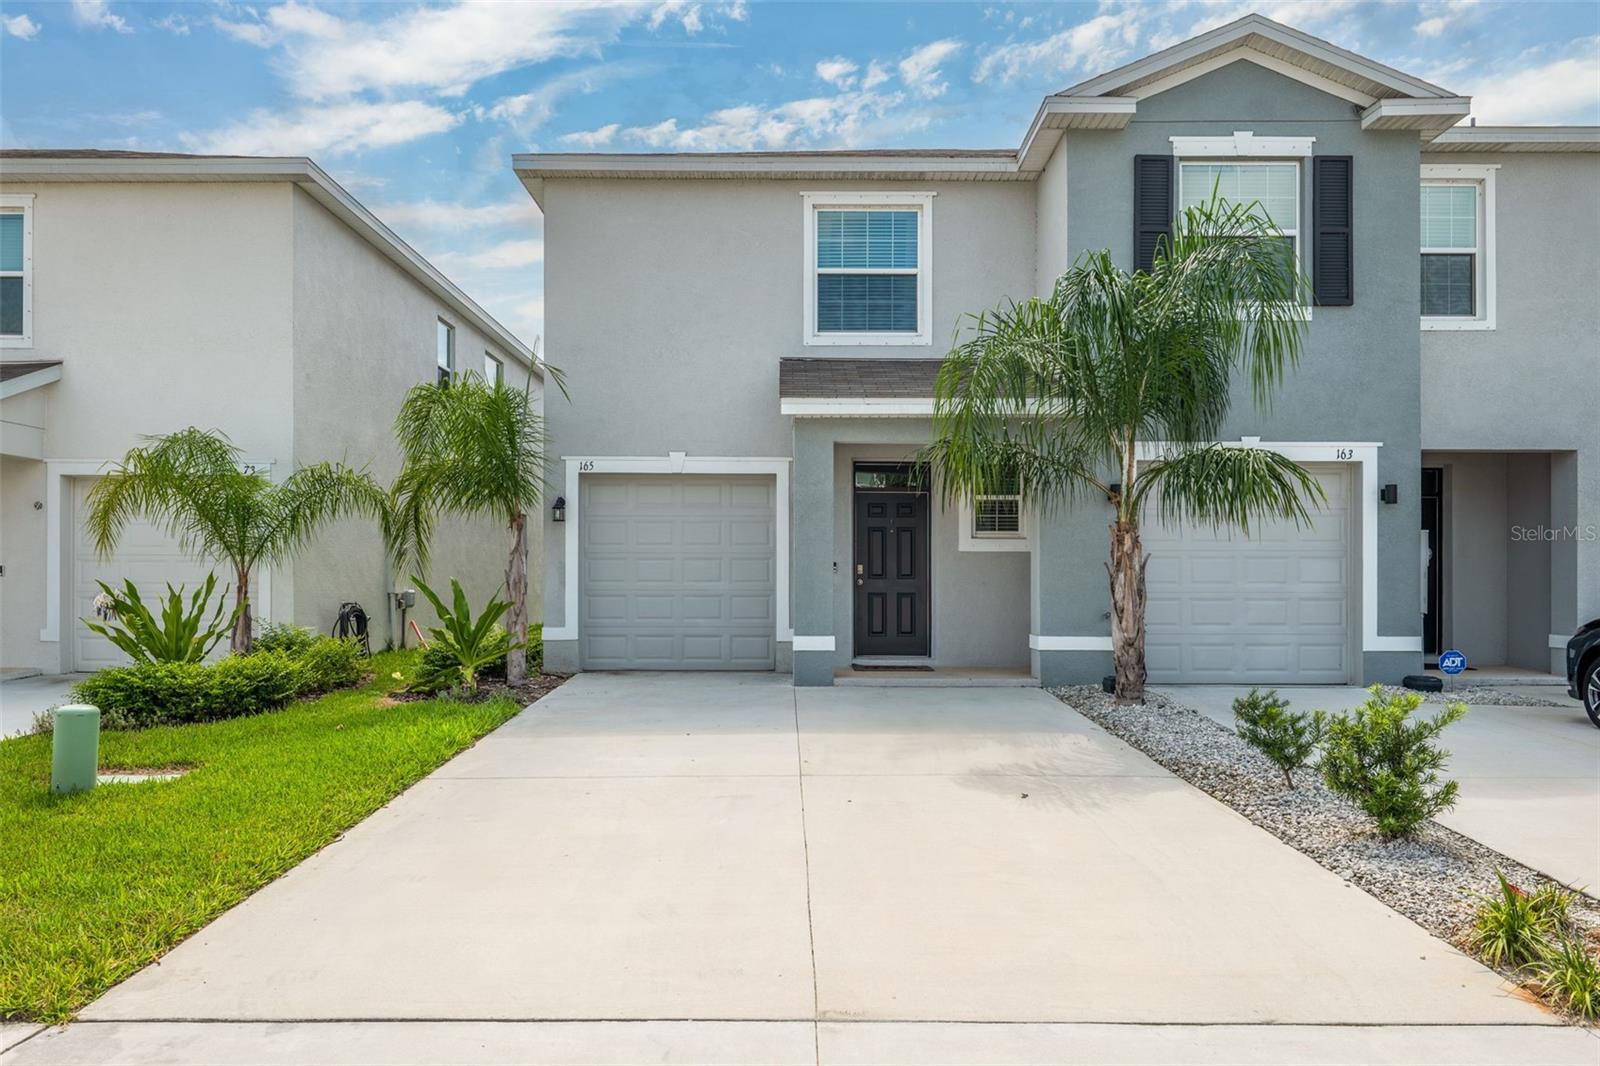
{"x":875,"y":76}
{"x":507,"y":255}
{"x":527,"y":112}
{"x":592,"y":139}
{"x":20,"y":26}
{"x":333,"y":129}
{"x":442,"y":49}
{"x":683,"y":11}
{"x":448,"y":215}
{"x":838,"y":71}
{"x":1537,"y":88}
{"x":920,"y":70}
{"x":174,"y":24}
{"x":846,"y":119}
{"x":1106,"y":39}
{"x":97,"y":15}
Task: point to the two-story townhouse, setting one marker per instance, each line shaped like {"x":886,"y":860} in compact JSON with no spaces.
{"x":145,"y":293}
{"x":752,"y":340}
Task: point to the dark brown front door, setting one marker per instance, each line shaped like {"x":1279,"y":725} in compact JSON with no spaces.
{"x":891,"y":573}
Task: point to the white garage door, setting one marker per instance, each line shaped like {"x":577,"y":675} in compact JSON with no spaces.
{"x":146,"y":555}
{"x":1271,"y":609}
{"x":678,"y":572}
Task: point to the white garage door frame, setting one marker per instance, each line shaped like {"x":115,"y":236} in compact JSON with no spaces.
{"x":671,"y":463}
{"x":1363,"y":454}
{"x":57,"y":502}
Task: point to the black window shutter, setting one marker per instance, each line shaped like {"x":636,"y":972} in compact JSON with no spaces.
{"x":1152,"y":206}
{"x":1332,"y":210}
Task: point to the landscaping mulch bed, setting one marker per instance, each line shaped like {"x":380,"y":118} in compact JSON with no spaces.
{"x":531,"y":690}
{"x":1485,"y":695}
{"x":1434,"y":879}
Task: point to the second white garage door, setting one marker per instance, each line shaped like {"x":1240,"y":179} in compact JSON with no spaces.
{"x":678,"y":572}
{"x":1273,"y":609}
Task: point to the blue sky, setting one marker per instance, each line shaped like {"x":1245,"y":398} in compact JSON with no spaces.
{"x":417,"y":108}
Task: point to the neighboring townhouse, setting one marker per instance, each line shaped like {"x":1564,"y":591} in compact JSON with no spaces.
{"x":145,"y":293}
{"x":751,"y":341}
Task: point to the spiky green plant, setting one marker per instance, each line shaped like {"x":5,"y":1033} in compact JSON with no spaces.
{"x":1386,"y":761}
{"x":469,"y":642}
{"x":1072,"y":396}
{"x":180,"y":635}
{"x":193,"y":484}
{"x":1287,"y":738}
{"x":1569,"y":973}
{"x":471,"y":448}
{"x":1513,"y":927}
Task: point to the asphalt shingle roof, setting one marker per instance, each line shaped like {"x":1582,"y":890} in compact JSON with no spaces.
{"x":826,"y":379}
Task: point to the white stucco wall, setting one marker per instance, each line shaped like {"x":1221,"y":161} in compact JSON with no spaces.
{"x":364,"y":333}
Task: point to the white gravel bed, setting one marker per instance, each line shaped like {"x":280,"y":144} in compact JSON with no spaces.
{"x":1431,"y":879}
{"x":1484,"y":695}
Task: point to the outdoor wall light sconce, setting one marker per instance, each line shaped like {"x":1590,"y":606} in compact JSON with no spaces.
{"x":1391,"y":493}
{"x":558,"y":513}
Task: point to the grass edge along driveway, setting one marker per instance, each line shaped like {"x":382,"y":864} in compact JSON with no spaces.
{"x":95,"y":886}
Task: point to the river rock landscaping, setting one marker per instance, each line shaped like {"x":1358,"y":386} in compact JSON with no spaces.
{"x":1436,"y":878}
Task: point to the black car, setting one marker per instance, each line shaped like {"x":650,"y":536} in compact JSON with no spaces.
{"x":1583,"y":668}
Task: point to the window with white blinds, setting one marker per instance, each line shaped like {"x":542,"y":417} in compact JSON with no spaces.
{"x":1450,"y":250}
{"x":867,"y":268}
{"x":1272,"y":189}
{"x":16,"y":297}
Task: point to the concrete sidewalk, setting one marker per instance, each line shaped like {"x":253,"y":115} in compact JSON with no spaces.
{"x":723,"y":868}
{"x":1530,"y":776}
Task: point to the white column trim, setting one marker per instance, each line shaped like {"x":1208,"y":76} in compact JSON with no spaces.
{"x":813,"y":643}
{"x":1038,"y":643}
{"x":1559,"y":642}
{"x":671,"y":463}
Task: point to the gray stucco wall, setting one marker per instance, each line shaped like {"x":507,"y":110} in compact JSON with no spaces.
{"x":1358,"y":379}
{"x":1533,"y":382}
{"x":670,"y":303}
{"x":364,"y":333}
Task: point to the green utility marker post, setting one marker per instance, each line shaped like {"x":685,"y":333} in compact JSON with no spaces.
{"x":75,"y":754}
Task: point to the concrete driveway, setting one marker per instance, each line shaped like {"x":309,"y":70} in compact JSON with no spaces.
{"x":23,"y":698}
{"x":1530,"y":776}
{"x":723,"y":868}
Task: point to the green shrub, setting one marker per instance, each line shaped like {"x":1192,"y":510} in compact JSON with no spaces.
{"x":180,"y":635}
{"x":283,"y":636}
{"x":329,"y":663}
{"x":1266,"y":724}
{"x":1511,"y":929}
{"x":146,"y":694}
{"x":1385,"y":761}
{"x":1569,"y":973}
{"x":464,"y":645}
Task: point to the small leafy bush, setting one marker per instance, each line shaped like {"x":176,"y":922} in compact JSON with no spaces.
{"x":1512,"y":929}
{"x":1569,"y":973}
{"x":1265,"y":722}
{"x":1385,"y":761}
{"x":180,"y":634}
{"x":329,"y":663}
{"x":146,"y":694}
{"x":283,"y":636}
{"x":463,"y":646}
{"x":439,"y":668}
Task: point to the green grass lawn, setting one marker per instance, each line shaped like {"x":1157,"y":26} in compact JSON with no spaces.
{"x":95,"y":886}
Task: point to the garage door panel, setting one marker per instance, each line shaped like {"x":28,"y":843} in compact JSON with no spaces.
{"x":1271,"y":608}
{"x":693,"y":568}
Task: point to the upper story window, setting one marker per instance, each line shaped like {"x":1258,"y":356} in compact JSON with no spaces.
{"x":1273,"y":187}
{"x":868,"y":268}
{"x":1457,"y":247}
{"x":16,"y":271}
{"x":446,"y":351}
{"x":494,"y":371}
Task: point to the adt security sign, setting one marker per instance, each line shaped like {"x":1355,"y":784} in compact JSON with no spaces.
{"x":1452,"y":662}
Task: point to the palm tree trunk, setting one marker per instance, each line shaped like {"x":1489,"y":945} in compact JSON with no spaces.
{"x":1126,"y":571}
{"x":517,"y":590}
{"x":242,"y":626}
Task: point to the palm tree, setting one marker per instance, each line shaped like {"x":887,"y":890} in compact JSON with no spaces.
{"x":469,"y":447}
{"x":192,"y":483}
{"x":1115,"y":388}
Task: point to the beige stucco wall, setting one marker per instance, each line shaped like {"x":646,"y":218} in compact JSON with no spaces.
{"x":169,"y":306}
{"x":364,"y":333}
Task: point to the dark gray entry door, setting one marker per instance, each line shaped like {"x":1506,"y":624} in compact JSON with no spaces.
{"x":891,"y":574}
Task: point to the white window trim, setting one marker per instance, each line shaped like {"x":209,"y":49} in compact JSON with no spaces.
{"x":671,"y":463}
{"x":22,"y":203}
{"x":489,"y":358}
{"x":449,"y":366}
{"x":923,"y":202}
{"x":1246,"y":149}
{"x":1482,"y":176}
{"x":970,"y":540}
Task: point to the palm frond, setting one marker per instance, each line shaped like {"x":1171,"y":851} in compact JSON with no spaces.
{"x":308,"y":499}
{"x":1218,"y":484}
